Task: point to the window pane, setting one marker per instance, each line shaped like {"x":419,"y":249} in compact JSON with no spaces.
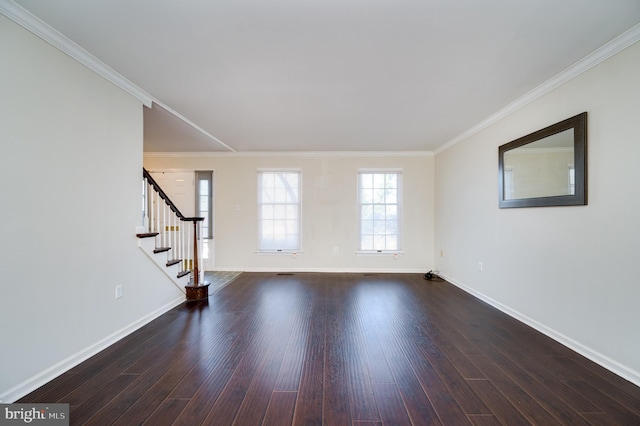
{"x":391,"y":212}
{"x":266,"y":195}
{"x":391,"y":180}
{"x":267,"y":212}
{"x":366,"y":212}
{"x":203,"y":187}
{"x":366,"y":180}
{"x":379,"y":212}
{"x":378,"y":195}
{"x":279,"y":195}
{"x":391,"y":242}
{"x":292,"y":196}
{"x":391,"y":196}
{"x":379,"y":227}
{"x":291,"y":226}
{"x":379,"y":242}
{"x":391,"y":227}
{"x":279,"y":211}
{"x":366,"y":242}
{"x":291,"y":212}
{"x":366,"y":196}
{"x":278,"y":229}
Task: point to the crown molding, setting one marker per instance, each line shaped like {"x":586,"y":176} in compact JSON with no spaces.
{"x":35,"y":25}
{"x":618,"y":44}
{"x":32,"y":23}
{"x":299,"y":154}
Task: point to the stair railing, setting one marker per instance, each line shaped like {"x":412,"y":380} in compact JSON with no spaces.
{"x":175,"y":233}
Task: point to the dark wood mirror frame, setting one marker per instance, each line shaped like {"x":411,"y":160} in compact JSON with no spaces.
{"x":579,"y":197}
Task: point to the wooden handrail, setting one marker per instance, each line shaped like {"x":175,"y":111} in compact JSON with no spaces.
{"x":166,"y":199}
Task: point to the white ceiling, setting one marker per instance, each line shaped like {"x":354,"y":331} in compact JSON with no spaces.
{"x":328,"y":75}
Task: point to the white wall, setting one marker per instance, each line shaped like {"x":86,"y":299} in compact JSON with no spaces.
{"x":570,"y":271}
{"x":329,"y":210}
{"x":70,"y":182}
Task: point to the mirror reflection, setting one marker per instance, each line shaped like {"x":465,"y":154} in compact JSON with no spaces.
{"x":541,"y":169}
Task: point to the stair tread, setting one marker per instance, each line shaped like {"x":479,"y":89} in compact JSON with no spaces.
{"x":147,"y":235}
{"x":183,"y":273}
{"x":174,"y":262}
{"x":161,"y":249}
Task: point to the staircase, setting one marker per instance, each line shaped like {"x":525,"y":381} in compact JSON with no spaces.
{"x":171,"y":240}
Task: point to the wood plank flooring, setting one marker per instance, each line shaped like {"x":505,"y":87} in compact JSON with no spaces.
{"x":340,"y":349}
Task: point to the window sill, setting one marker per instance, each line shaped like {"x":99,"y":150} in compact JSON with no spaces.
{"x":279,"y":252}
{"x":379,"y":252}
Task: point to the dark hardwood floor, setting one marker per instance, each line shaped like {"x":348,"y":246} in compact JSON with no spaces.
{"x":340,"y":349}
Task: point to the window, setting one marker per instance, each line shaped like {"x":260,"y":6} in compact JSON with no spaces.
{"x":204,"y":187}
{"x":204,"y":208}
{"x":380,"y":203}
{"x":279,"y":211}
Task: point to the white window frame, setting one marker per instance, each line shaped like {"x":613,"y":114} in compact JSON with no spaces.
{"x":399,"y":209}
{"x":266,"y":246}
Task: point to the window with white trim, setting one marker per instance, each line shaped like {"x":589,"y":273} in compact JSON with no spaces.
{"x":279,"y":211}
{"x":380,"y":210}
{"x":204,"y":196}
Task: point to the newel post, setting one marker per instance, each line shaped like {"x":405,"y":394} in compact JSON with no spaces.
{"x":196,"y":291}
{"x":196,"y":272}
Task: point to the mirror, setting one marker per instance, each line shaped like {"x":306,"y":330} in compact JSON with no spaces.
{"x":545,"y":168}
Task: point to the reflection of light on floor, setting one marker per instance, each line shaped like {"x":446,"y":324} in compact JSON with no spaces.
{"x":219,"y":279}
{"x":377,"y":304}
{"x":280,"y":299}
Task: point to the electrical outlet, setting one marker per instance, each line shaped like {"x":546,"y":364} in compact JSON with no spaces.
{"x":441,"y":253}
{"x":336,"y":250}
{"x":118,"y":292}
{"x":480,"y":266}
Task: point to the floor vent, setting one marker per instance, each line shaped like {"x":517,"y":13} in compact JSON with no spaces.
{"x":284,"y":273}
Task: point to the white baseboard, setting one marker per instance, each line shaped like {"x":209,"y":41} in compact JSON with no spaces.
{"x":329,"y":270}
{"x":595,"y":356}
{"x":66,"y":364}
